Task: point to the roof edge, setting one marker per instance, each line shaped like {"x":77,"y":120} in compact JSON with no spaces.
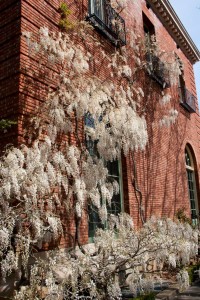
{"x":167,"y":15}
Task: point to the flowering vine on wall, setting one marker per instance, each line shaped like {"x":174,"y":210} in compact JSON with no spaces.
{"x":53,"y":170}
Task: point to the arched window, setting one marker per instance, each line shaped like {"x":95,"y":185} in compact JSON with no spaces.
{"x":189,"y":163}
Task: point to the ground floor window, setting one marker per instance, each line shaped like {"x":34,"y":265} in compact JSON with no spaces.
{"x":114,"y":174}
{"x":192,"y":191}
{"x":114,"y":171}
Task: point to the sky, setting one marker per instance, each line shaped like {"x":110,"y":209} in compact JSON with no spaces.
{"x":188,"y":12}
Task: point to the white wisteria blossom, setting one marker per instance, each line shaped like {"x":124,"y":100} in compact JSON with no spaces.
{"x":93,"y":273}
{"x":167,"y":120}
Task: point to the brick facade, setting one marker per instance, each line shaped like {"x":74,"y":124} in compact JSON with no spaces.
{"x":161,"y":167}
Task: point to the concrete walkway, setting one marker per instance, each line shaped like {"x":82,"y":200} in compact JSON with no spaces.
{"x":192,"y":293}
{"x":172,"y":293}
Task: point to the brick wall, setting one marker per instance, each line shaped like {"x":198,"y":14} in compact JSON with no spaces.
{"x":10,"y":20}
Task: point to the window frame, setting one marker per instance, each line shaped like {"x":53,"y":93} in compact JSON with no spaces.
{"x":105,"y":19}
{"x":155,"y":67}
{"x":121,"y":195}
{"x":89,"y":121}
{"x":186,"y":98}
{"x":190,"y":169}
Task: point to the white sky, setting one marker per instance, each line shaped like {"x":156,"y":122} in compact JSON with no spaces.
{"x":188,"y":12}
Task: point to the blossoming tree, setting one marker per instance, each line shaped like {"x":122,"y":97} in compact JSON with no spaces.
{"x":96,"y":272}
{"x":50,"y":175}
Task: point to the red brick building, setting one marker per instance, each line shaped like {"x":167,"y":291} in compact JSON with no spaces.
{"x":168,"y":170}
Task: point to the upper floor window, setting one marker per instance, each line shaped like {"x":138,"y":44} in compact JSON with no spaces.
{"x":103,"y":17}
{"x":181,"y":87}
{"x":155,"y":67}
{"x":187,"y":100}
{"x":149,"y":31}
{"x":192,"y":190}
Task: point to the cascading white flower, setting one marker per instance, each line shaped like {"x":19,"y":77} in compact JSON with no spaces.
{"x":167,"y":120}
{"x":9,"y":264}
{"x":55,"y":225}
{"x":103,"y":213}
{"x":94,"y":271}
{"x":95,"y":198}
{"x":183,"y":279}
{"x":165,"y":98}
{"x":4,"y":238}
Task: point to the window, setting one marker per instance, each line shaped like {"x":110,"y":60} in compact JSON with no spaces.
{"x":192,"y":191}
{"x":105,"y":19}
{"x":98,"y":8}
{"x":149,"y":32}
{"x":114,"y":173}
{"x":148,"y":29}
{"x":114,"y":170}
{"x":155,"y":67}
{"x":181,"y":87}
{"x":187,"y":100}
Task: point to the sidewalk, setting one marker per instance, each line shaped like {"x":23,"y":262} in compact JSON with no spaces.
{"x":192,"y":293}
{"x":172,"y":293}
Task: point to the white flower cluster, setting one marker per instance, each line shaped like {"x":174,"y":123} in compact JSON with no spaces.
{"x":55,"y":225}
{"x":8,"y":264}
{"x":165,"y":98}
{"x":118,"y":4}
{"x":4,"y":238}
{"x":94,"y":272}
{"x":167,"y":120}
{"x":183,"y":279}
{"x":59,"y":49}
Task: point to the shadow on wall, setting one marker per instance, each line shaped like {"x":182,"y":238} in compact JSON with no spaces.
{"x":163,"y":176}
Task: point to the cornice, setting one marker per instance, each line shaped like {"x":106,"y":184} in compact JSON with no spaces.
{"x":167,"y":15}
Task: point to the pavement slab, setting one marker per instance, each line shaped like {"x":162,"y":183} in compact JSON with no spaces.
{"x":172,"y":293}
{"x":192,"y":293}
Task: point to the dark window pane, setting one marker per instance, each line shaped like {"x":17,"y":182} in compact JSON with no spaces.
{"x":182,"y":99}
{"x":192,"y":205}
{"x":89,"y":120}
{"x":191,"y":185}
{"x":187,"y":159}
{"x":191,"y":189}
{"x":113,"y":168}
{"x":194,"y":214}
{"x":91,"y":147}
{"x":189,"y":173}
{"x":94,"y":221}
{"x":191,"y":195}
{"x":115,"y":208}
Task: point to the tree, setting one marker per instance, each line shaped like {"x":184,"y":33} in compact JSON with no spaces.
{"x":50,"y":176}
{"x":94,"y":273}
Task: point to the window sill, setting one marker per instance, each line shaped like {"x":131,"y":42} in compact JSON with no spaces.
{"x":158,"y":79}
{"x":188,"y":107}
{"x":110,"y":34}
